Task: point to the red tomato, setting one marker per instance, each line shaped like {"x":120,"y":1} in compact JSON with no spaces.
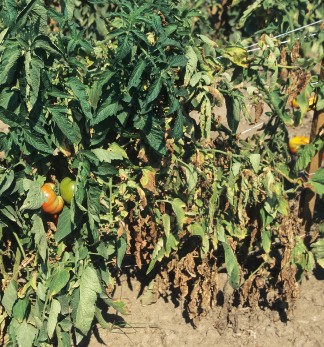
{"x":54,"y":203}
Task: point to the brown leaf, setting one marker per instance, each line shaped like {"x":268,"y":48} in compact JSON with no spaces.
{"x":258,"y":111}
{"x":148,"y":180}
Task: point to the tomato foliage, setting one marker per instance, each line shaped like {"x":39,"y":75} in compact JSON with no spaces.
{"x":144,"y":109}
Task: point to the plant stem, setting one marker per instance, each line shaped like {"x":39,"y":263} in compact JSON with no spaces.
{"x":17,"y":264}
{"x":2,"y":268}
{"x":20,"y":245}
{"x":230,"y":154}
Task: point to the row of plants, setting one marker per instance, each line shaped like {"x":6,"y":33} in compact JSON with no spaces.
{"x":97,"y":103}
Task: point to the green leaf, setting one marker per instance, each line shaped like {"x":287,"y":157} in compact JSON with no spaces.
{"x":249,"y":10}
{"x":157,"y":255}
{"x":9,"y":12}
{"x":117,"y":305}
{"x":178,"y":61}
{"x":235,"y":168}
{"x":155,"y":138}
{"x":33,"y":67}
{"x":52,"y":317}
{"x":318,"y":187}
{"x":121,"y":250}
{"x":58,"y":281}
{"x":68,"y":129}
{"x":26,"y":334}
{"x":191,"y":64}
{"x":68,"y":8}
{"x":266,"y":240}
{"x":153,"y":91}
{"x":107,"y":109}
{"x":8,"y":97}
{"x":64,"y":225}
{"x":10,"y":296}
{"x":114,"y":152}
{"x":37,"y":142}
{"x":136,"y":75}
{"x":45,"y":43}
{"x":93,"y":203}
{"x":6,"y":181}
{"x":35,"y":197}
{"x":9,"y":118}
{"x":196,"y":229}
{"x":318,"y":176}
{"x":283,"y":206}
{"x":123,"y":50}
{"x":80,"y":92}
{"x":89,"y":287}
{"x":40,"y":236}
{"x":170,"y":243}
{"x":9,"y":59}
{"x":207,"y":40}
{"x":232,"y":266}
{"x":166,"y":224}
{"x":177,"y":130}
{"x":20,"y":308}
{"x":233,"y":112}
{"x":178,"y":208}
{"x":23,"y":14}
{"x":305,"y":156}
{"x":255,"y":160}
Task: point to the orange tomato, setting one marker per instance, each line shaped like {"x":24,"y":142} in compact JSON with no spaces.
{"x":54,"y":203}
{"x":296,"y":142}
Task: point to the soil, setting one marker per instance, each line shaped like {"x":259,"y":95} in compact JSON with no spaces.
{"x":162,"y":324}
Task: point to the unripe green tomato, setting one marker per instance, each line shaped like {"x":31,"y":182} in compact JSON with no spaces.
{"x":67,"y":187}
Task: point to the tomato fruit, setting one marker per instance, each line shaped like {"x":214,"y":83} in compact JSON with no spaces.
{"x":54,"y":203}
{"x":296,"y":142}
{"x":67,"y":187}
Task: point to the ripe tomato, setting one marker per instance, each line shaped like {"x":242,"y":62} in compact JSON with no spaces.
{"x":296,"y":142}
{"x":67,"y":187}
{"x":54,"y":203}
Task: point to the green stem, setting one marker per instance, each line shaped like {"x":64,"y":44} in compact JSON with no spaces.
{"x":17,"y":264}
{"x":2,"y":268}
{"x":19,"y":245}
{"x":230,"y":154}
{"x":287,"y":66}
{"x":255,"y":271}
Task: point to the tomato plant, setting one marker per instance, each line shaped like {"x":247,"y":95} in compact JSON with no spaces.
{"x":67,"y":187}
{"x":127,"y":96}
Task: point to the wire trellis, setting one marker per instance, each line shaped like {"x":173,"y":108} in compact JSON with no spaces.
{"x":284,"y":34}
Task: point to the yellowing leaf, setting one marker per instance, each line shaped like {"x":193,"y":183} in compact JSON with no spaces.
{"x":148,"y":180}
{"x":236,"y":55}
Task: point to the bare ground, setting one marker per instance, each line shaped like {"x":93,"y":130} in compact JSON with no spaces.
{"x":162,"y":324}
